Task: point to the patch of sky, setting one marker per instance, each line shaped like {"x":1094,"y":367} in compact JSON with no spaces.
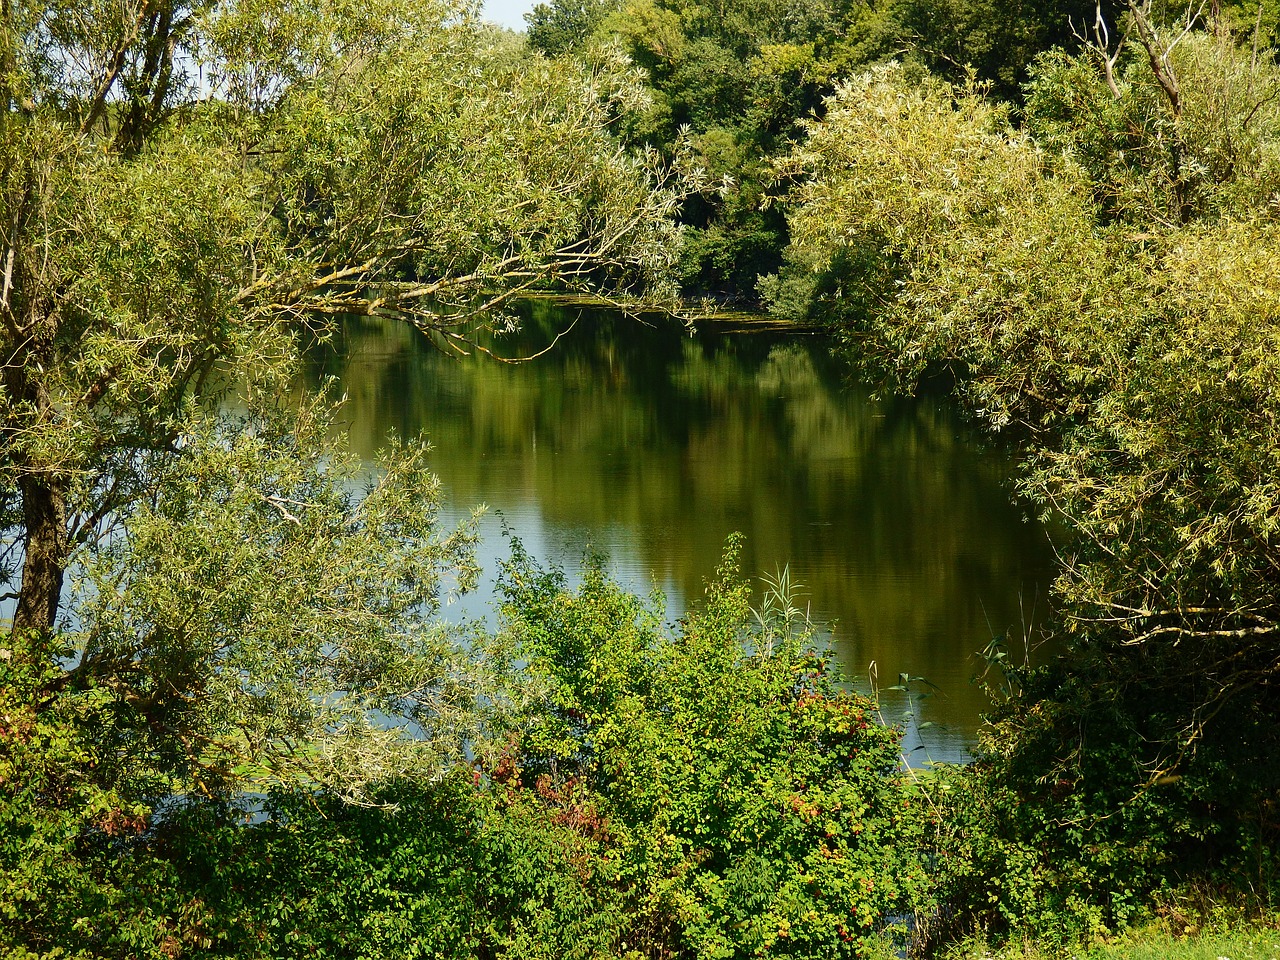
{"x":507,"y":13}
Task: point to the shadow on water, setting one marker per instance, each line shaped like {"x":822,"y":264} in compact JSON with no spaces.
{"x":652,"y":446}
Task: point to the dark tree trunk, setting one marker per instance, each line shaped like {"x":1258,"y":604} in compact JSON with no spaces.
{"x":44,"y":501}
{"x":33,"y":326}
{"x":44,"y":511}
{"x":150,"y":82}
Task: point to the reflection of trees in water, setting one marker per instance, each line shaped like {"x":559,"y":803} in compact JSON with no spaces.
{"x":897,"y":525}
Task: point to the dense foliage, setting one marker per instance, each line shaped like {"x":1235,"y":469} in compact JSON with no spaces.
{"x":753,"y":805}
{"x":205,"y":594}
{"x":707,"y":790}
{"x":174,"y":533}
{"x":736,"y":82}
{"x":1102,"y":281}
{"x":231,"y":723}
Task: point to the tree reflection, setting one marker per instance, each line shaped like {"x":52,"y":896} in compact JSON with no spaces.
{"x":891,"y":515}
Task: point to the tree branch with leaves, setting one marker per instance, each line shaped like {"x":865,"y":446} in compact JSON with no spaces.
{"x":186,"y":191}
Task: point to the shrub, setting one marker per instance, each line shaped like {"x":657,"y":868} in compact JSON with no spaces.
{"x":752,"y":803}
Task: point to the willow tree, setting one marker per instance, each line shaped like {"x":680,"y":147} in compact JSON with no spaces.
{"x":1103,"y":281}
{"x":185,"y":188}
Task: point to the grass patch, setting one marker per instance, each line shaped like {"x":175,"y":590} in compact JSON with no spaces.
{"x":1250,"y":942}
{"x":1261,"y":944}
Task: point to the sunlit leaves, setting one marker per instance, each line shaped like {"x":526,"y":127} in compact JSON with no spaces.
{"x":269,"y":610}
{"x":1104,"y":281}
{"x":1139,"y":354}
{"x":751,"y":802}
{"x":189,"y":190}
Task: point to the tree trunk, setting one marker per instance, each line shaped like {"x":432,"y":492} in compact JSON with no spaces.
{"x":42,"y":485}
{"x":44,"y":511}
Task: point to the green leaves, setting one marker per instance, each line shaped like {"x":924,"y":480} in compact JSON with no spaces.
{"x":1104,"y":283}
{"x":253,"y":610}
{"x":259,"y":613}
{"x":1128,"y":354}
{"x":442,"y":169}
{"x":751,"y":800}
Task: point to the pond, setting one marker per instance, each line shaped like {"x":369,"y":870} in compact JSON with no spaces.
{"x":652,"y":445}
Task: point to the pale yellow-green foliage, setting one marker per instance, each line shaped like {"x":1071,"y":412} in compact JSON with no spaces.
{"x":998,"y":254}
{"x":187,"y":189}
{"x":1218,"y":156}
{"x":275,"y":611}
{"x":1131,"y":324}
{"x":1237,"y":939}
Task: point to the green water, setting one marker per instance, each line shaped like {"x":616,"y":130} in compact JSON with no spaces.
{"x":652,"y":446}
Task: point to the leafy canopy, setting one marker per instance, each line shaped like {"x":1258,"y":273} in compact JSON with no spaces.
{"x":1102,"y":281}
{"x":190,"y":190}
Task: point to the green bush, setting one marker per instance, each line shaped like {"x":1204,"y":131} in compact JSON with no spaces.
{"x":753,"y":804}
{"x":1064,"y":828}
{"x":703,"y":789}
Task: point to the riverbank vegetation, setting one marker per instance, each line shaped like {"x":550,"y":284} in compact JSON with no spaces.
{"x":232,"y":722}
{"x":1101,"y":280}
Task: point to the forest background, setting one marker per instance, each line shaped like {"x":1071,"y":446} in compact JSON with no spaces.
{"x":232,"y":723}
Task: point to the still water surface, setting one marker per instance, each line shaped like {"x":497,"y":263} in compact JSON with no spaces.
{"x":652,"y":446}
